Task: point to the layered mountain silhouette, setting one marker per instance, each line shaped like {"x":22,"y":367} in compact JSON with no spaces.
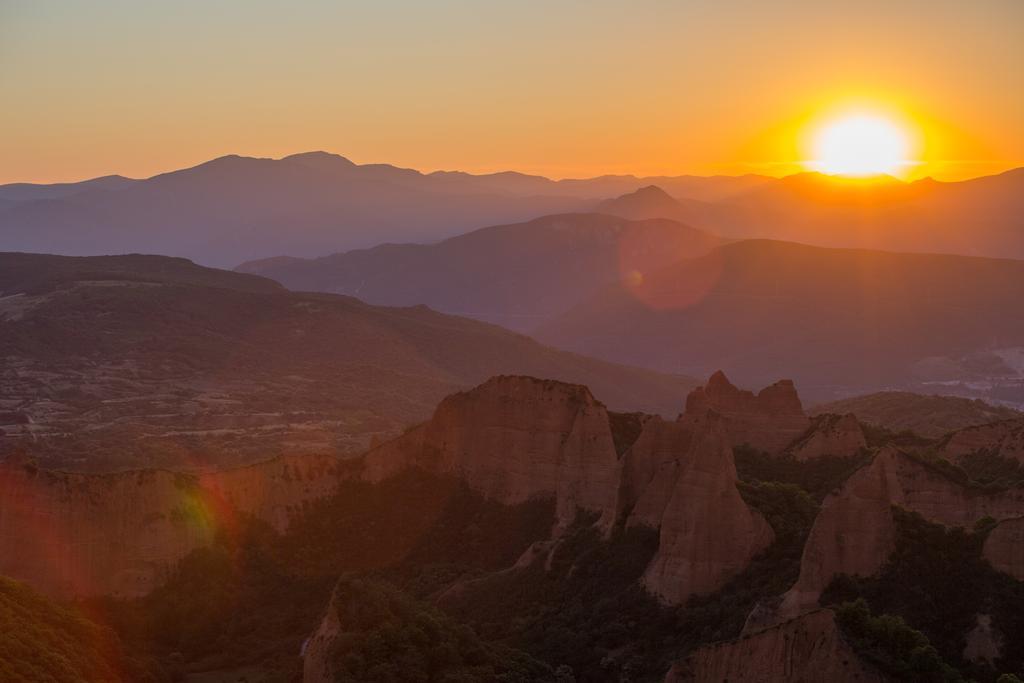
{"x":233,"y":209}
{"x":827,"y":317}
{"x":124,"y":361}
{"x":518,"y":276}
{"x":974,"y":217}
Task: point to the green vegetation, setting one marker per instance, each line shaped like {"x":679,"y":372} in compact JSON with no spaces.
{"x":41,"y":640}
{"x":588,"y":612}
{"x":388,"y":636}
{"x":818,"y":477}
{"x":892,"y":646}
{"x":581,"y":613}
{"x":937,"y":581}
{"x":992,"y":469}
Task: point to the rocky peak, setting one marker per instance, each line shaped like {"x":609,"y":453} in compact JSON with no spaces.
{"x":769,"y":420}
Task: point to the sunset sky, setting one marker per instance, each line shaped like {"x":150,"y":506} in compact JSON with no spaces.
{"x":558,"y":87}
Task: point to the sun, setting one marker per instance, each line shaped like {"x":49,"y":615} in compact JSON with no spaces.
{"x":860,"y":145}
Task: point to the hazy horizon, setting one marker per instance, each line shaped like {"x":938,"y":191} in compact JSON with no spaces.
{"x":574,"y":90}
{"x":431,"y":170}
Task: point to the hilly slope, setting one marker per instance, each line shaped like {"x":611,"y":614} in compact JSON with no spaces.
{"x":150,"y":361}
{"x":826,"y":317}
{"x":930,"y":416}
{"x":515,"y":275}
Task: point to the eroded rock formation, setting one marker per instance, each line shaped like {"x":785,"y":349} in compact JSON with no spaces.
{"x":808,"y":649}
{"x":707,"y":534}
{"x":514,"y":438}
{"x":769,"y":420}
{"x":855,"y":531}
{"x":511,"y":439}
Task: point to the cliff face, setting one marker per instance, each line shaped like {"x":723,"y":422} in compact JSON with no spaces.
{"x":1004,"y":547}
{"x":1004,"y":438}
{"x":708,"y":534}
{"x":514,"y":438}
{"x":769,"y":420}
{"x":510,"y":439}
{"x":808,"y":649}
{"x":855,"y":532}
{"x":121,"y":534}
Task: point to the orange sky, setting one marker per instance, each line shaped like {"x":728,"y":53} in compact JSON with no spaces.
{"x":561,"y":87}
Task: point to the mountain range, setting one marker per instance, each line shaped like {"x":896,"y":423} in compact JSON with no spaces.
{"x":235,"y":209}
{"x":977,"y":217}
{"x":660,"y":294}
{"x":518,"y":276}
{"x":830,"y":318}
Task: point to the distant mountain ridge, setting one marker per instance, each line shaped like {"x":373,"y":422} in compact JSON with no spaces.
{"x":235,"y":209}
{"x":829,"y":318}
{"x":517,"y":275}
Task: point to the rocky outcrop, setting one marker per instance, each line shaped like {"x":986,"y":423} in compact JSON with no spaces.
{"x":516,"y":438}
{"x":855,"y":531}
{"x":1004,"y":438}
{"x":121,"y":534}
{"x":830,"y":435}
{"x":510,"y":439}
{"x":1004,"y":547}
{"x":707,"y":534}
{"x":808,"y":649}
{"x":769,"y":420}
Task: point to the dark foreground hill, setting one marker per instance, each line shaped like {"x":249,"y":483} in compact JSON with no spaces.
{"x":152,"y":361}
